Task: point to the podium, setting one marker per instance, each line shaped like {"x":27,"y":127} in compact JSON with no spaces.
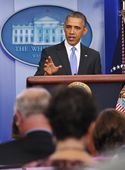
{"x":105,"y":87}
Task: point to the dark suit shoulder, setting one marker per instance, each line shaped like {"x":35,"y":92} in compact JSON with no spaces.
{"x":88,"y":49}
{"x":35,"y":145}
{"x":8,"y":146}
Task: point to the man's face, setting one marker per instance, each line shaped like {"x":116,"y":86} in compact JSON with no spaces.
{"x":74,"y":29}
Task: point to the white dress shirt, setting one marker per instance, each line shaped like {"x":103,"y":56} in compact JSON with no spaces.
{"x":77,"y":51}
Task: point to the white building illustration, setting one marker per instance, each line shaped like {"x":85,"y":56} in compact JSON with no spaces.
{"x":43,"y":31}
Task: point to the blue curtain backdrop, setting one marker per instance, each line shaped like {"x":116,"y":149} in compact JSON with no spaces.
{"x":117,"y":57}
{"x":112,"y":25}
{"x":7,"y":81}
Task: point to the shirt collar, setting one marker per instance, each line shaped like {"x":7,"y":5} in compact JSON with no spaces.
{"x":77,"y":46}
{"x":38,"y":129}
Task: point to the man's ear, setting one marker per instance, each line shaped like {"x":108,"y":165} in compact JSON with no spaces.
{"x":85,"y":30}
{"x":18,"y":118}
{"x":64,"y":27}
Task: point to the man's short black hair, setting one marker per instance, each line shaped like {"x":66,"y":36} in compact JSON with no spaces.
{"x":77,"y":14}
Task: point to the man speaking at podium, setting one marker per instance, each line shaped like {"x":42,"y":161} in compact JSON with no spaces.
{"x":70,"y":57}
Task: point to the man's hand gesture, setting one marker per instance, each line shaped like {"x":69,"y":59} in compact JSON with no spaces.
{"x":49,"y":67}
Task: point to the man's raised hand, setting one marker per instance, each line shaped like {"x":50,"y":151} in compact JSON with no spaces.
{"x":49,"y":67}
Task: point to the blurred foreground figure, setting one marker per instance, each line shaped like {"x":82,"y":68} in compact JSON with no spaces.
{"x":117,"y":162}
{"x":35,"y":140}
{"x":109,"y":133}
{"x":71,"y":112}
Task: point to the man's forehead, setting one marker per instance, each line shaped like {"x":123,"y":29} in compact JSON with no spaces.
{"x":74,"y":20}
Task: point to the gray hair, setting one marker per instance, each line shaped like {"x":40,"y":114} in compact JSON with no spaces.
{"x":32,"y":101}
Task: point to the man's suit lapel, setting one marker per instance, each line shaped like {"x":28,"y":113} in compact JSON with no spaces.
{"x":63,"y":57}
{"x":83,"y":57}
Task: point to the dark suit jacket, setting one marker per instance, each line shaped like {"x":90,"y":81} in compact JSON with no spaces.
{"x":89,"y":60}
{"x":35,"y":145}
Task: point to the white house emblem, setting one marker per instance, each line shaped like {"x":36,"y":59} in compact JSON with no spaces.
{"x":28,"y":31}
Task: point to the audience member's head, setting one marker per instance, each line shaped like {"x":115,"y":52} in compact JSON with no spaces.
{"x":33,"y":129}
{"x":109,"y":131}
{"x":30,"y":108}
{"x":89,"y":142}
{"x":71,"y":112}
{"x":81,"y":85}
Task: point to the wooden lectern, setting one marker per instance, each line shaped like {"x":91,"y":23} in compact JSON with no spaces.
{"x":106,"y":88}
